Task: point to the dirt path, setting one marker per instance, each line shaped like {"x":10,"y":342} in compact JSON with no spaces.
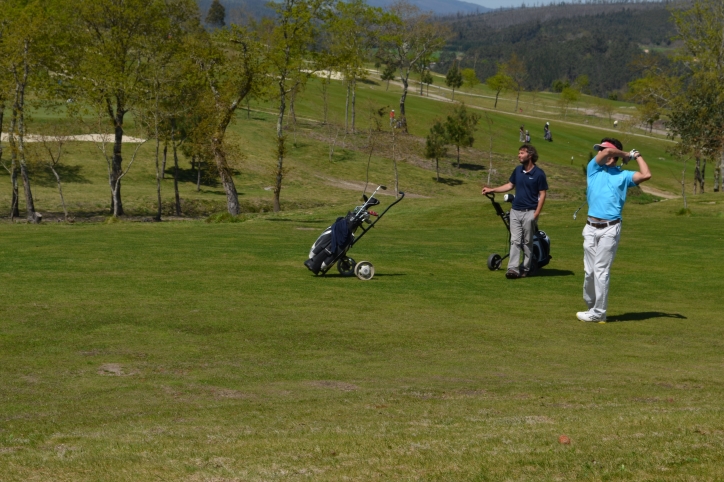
{"x":658,"y":192}
{"x":359,"y":186}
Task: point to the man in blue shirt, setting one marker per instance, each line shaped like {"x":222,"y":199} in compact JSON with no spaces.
{"x":530,"y":185}
{"x":606,"y":195}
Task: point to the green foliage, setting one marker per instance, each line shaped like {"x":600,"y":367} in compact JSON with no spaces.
{"x":454,"y":78}
{"x":500,"y":82}
{"x":469,"y":78}
{"x":216,"y":16}
{"x":562,"y":48}
{"x":460,"y":127}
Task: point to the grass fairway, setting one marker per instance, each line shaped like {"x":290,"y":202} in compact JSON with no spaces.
{"x":196,"y":352}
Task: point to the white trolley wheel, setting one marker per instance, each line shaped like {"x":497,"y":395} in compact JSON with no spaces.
{"x":364,"y":270}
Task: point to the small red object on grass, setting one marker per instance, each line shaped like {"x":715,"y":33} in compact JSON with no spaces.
{"x":564,"y":440}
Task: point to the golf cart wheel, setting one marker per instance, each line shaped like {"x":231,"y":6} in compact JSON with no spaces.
{"x":345,"y":266}
{"x":494,"y":261}
{"x":364,"y":270}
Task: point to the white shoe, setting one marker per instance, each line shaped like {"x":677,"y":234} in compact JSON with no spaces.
{"x":586,"y":316}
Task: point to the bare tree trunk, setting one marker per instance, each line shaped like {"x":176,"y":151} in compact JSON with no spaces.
{"x":496,"y":100}
{"x":198,"y":175}
{"x":394,"y":163}
{"x":346,"y":110}
{"x":325,"y":86}
{"x":717,"y":174}
{"x":163,"y":165}
{"x":14,"y":206}
{"x":437,"y":168}
{"x":20,"y":84}
{"x":403,"y":117}
{"x":683,"y":184}
{"x":702,"y":179}
{"x":232,"y":197}
{"x":175,"y":176}
{"x":158,"y":181}
{"x":516,"y":101}
{"x":279,"y":172}
{"x":721,"y":173}
{"x":116,"y":168}
{"x":697,"y":173}
{"x":60,"y":192}
{"x":458,"y":147}
{"x":354,"y":99}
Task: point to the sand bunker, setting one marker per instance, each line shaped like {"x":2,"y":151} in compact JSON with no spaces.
{"x":108,"y":138}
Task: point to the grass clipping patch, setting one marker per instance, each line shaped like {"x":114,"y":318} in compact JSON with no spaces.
{"x":219,"y":218}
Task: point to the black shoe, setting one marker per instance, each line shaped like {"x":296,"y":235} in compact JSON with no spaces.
{"x":512,"y":274}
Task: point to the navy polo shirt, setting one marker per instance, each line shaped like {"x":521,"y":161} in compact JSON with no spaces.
{"x":527,"y":187}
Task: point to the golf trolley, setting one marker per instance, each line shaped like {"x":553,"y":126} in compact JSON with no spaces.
{"x":333,"y":244}
{"x":541,"y":241}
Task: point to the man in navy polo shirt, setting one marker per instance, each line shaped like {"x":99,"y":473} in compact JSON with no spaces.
{"x":530,"y":186}
{"x":606,"y":196}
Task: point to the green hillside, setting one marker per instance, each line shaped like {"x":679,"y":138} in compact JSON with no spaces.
{"x":86,"y":185}
{"x":561,"y":42}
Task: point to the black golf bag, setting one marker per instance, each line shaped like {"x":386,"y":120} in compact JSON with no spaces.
{"x":332,"y":245}
{"x":541,"y":255}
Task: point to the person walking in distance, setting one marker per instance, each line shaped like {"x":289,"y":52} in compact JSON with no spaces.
{"x":521,"y":135}
{"x":606,"y":195}
{"x":392,"y":118}
{"x":530,"y":185}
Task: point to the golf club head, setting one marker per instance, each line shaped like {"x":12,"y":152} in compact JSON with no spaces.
{"x":384,"y":188}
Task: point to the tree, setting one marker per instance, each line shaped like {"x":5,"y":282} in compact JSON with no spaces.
{"x":233,"y":68}
{"x":106,"y":59}
{"x":427,"y":79}
{"x":24,"y":48}
{"x":469,"y":78}
{"x":454,"y":78}
{"x":697,"y":111}
{"x":353,"y":30}
{"x":388,"y":74}
{"x":568,"y":96}
{"x":216,"y":16}
{"x":460,"y":127}
{"x":515,"y":68}
{"x":500,"y":82}
{"x":436,"y":144}
{"x":408,"y":38}
{"x":291,"y":40}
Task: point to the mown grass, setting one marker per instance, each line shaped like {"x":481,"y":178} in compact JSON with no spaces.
{"x":194,"y":351}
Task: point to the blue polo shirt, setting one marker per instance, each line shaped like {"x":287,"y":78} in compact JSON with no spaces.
{"x":607,"y":187}
{"x":528,"y":186}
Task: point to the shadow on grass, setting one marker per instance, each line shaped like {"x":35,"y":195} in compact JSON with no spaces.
{"x":448,"y":181}
{"x":471,"y":167}
{"x":338,"y":275}
{"x":645,"y":315}
{"x":554,"y":272}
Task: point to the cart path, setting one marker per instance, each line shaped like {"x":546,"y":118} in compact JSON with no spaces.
{"x":658,"y":192}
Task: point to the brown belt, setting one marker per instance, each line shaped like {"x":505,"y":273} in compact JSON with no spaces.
{"x":603,"y":225}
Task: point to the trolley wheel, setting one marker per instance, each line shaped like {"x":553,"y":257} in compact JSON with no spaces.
{"x":364,"y":270}
{"x":346,"y":266}
{"x":494,"y":261}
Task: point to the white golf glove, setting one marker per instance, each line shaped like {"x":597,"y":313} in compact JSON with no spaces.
{"x":631,"y":156}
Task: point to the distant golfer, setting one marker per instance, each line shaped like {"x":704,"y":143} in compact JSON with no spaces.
{"x":606,"y":195}
{"x":392,"y":118}
{"x":530,"y":185}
